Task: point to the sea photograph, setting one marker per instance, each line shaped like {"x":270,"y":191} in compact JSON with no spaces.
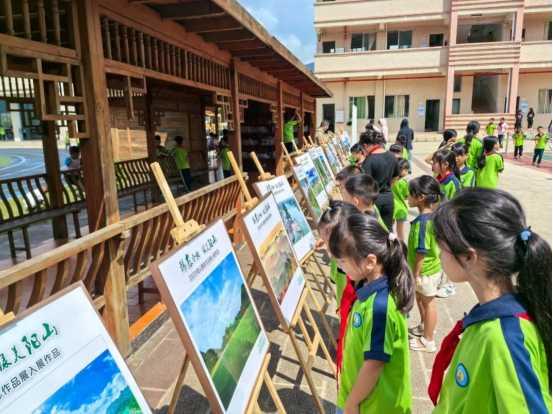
{"x":278,"y":261}
{"x":223,"y":325}
{"x":100,"y":387}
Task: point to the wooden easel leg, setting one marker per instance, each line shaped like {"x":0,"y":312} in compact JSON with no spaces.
{"x":253,"y":406}
{"x":273,"y":392}
{"x":306,"y":372}
{"x":178,"y":385}
{"x":321,"y":272}
{"x":327,"y":355}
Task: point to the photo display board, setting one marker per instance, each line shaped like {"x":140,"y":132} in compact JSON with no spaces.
{"x":311,"y":185}
{"x":274,"y":253}
{"x":295,"y":223}
{"x":332,"y":157}
{"x":211,"y":306}
{"x":323,"y":168}
{"x":57,"y":357}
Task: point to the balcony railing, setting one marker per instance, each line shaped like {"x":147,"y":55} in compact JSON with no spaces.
{"x":378,"y":62}
{"x":535,"y":54}
{"x":356,"y":12}
{"x":472,"y":6}
{"x":471,"y":56}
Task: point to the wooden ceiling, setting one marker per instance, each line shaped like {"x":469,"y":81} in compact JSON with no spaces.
{"x":227,"y":24}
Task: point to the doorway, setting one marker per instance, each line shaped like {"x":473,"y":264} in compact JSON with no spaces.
{"x":328,"y":115}
{"x":432,"y":115}
{"x":484,"y":94}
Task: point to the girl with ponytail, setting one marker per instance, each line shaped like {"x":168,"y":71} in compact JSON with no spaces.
{"x":502,"y":363}
{"x":490,"y":164}
{"x":473,"y":145}
{"x":444,"y":165}
{"x":375,"y":374}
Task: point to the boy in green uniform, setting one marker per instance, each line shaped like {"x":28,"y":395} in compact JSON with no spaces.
{"x":423,"y":257}
{"x":491,"y":127}
{"x":224,"y":158}
{"x":374,"y":376}
{"x":541,"y":139}
{"x":400,"y":190}
{"x":181,"y":159}
{"x":518,"y":139}
{"x":361,"y":190}
{"x":288,"y":131}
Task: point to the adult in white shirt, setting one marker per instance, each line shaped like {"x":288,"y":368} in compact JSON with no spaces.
{"x":501,"y":131}
{"x":383,"y":126}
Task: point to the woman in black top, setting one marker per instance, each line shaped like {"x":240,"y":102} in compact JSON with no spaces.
{"x":530,"y":118}
{"x":381,"y":165}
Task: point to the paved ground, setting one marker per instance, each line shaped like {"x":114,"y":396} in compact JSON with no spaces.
{"x":25,"y":161}
{"x":156,"y":363}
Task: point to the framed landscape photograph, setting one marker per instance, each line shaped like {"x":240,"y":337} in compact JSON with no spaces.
{"x":311,"y":186}
{"x":323,"y":168}
{"x":57,"y":357}
{"x":208,"y":299}
{"x":295,"y":223}
{"x":332,"y":157}
{"x":275,"y":256}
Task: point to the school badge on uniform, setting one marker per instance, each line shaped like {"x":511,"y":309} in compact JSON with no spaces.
{"x":461,"y":375}
{"x":357,"y":320}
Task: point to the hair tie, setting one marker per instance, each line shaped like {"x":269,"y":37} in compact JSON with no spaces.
{"x":392,"y":237}
{"x":525,"y":234}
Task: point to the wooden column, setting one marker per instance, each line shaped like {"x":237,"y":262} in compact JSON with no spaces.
{"x":236,"y":136}
{"x":279,"y":160}
{"x":99,"y":173}
{"x":149,"y":124}
{"x":301,"y":140}
{"x":53,"y":179}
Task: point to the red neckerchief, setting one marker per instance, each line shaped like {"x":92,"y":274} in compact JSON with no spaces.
{"x":348,"y":298}
{"x":376,"y":148}
{"x":444,"y":356}
{"x":442,"y":179}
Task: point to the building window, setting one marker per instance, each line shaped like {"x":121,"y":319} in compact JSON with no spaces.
{"x":329,"y":47}
{"x":456,"y":108}
{"x":361,"y":42}
{"x":436,"y":40}
{"x":400,"y":39}
{"x":361,"y":104}
{"x":370,"y":106}
{"x":457,"y":83}
{"x":544,"y":101}
{"x":548,"y":30}
{"x":396,"y":106}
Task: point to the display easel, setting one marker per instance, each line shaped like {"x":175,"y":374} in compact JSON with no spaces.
{"x":313,"y":343}
{"x":5,"y":317}
{"x":181,"y":233}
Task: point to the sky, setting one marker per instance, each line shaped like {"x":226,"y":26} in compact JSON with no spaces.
{"x":290,"y":21}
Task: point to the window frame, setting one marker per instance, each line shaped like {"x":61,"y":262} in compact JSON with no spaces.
{"x":333,"y":49}
{"x":391,"y":109}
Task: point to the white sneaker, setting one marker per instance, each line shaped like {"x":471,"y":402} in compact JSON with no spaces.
{"x":422,"y":344}
{"x":442,"y":292}
{"x":416,"y":331}
{"x":450,"y":287}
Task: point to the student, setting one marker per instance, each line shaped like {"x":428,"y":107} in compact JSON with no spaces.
{"x":518,"y":139}
{"x":491,"y":127}
{"x":183,"y":164}
{"x":518,"y":119}
{"x":224,"y":159}
{"x":423,"y":257}
{"x":74,"y":160}
{"x":161,"y":151}
{"x":357,"y":155}
{"x":400,"y":190}
{"x":381,"y":165}
{"x":541,"y":139}
{"x":362,"y":191}
{"x":344,"y":175}
{"x":397,"y":150}
{"x":530,"y":118}
{"x":501,"y":131}
{"x":445,"y":167}
{"x":466,"y":174}
{"x":472,"y":144}
{"x":449,"y":138}
{"x":375,"y":374}
{"x":490,"y":164}
{"x":402,"y":140}
{"x":288,"y":131}
{"x":502,"y":363}
{"x":345,"y":290}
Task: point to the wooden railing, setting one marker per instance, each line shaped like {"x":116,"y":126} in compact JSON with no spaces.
{"x":126,"y":248}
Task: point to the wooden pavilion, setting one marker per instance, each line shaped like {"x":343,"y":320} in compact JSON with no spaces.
{"x":115,"y":73}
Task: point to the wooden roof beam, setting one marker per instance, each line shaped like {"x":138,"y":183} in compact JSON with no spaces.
{"x":206,"y":25}
{"x":243,"y":54}
{"x":228,"y":36}
{"x":192,"y":10}
{"x":245,"y":45}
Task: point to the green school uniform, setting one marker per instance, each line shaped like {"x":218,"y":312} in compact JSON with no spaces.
{"x":405,"y":154}
{"x":519,"y":138}
{"x":181,"y":158}
{"x":450,"y":185}
{"x":225,"y":160}
{"x":468,"y":177}
{"x":339,"y":278}
{"x":377,"y":330}
{"x":422,"y":239}
{"x":475,"y":149}
{"x":288,"y":131}
{"x":400,"y":191}
{"x":488,"y":176}
{"x":500,"y":364}
{"x":541,"y":140}
{"x":490,"y":129}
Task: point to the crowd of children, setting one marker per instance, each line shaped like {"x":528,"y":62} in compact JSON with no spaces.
{"x":464,"y":231}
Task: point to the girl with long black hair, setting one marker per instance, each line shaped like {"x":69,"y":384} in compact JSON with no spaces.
{"x":473,"y":145}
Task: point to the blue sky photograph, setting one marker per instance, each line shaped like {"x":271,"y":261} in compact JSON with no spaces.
{"x":94,"y":389}
{"x":214,"y":304}
{"x":290,"y":21}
